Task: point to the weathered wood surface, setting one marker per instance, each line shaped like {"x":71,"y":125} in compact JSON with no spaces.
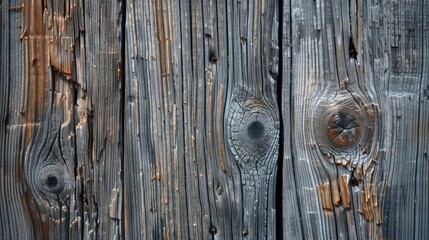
{"x":61,"y":125}
{"x":170,"y":119}
{"x":201,"y":118}
{"x":355,"y":79}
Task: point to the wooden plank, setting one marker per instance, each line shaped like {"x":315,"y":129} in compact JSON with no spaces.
{"x":50,"y":156}
{"x":100,"y":123}
{"x":63,"y":126}
{"x":402,"y":62}
{"x":359,"y":120}
{"x":191,"y":67}
{"x":291,"y":224}
{"x":252,"y":115}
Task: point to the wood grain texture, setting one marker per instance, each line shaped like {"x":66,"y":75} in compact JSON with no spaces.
{"x":358,"y":131}
{"x":404,"y":61}
{"x":19,"y":119}
{"x":61,"y":124}
{"x":290,"y":208}
{"x":199,"y":73}
{"x":102,"y":127}
{"x":167,"y":119}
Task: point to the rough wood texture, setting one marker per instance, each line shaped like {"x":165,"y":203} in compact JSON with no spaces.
{"x":201,"y":118}
{"x":61,"y":122}
{"x":20,"y":116}
{"x":168,"y":119}
{"x":357,"y":77}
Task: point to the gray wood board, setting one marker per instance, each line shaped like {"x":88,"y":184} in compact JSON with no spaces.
{"x":61,"y":120}
{"x":198,"y":75}
{"x":364,"y":63}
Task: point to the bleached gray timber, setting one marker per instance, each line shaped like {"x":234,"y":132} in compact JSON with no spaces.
{"x":355,"y":115}
{"x":198,"y":74}
{"x":214,"y":119}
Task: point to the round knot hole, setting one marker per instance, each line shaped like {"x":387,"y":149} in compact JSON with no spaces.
{"x":343,"y":128}
{"x":52,"y":180}
{"x":256,"y":130}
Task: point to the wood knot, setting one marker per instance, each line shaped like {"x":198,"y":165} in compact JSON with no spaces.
{"x":47,"y":172}
{"x":51,"y":180}
{"x":253,"y":132}
{"x":343,"y":128}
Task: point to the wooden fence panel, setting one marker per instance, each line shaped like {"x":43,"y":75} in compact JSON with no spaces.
{"x":168,"y":119}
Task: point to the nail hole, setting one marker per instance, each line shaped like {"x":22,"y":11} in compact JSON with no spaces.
{"x":213,"y":230}
{"x":245,"y":232}
{"x":354,"y":181}
{"x":212,"y":57}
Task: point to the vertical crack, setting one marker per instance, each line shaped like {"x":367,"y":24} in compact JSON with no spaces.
{"x":122,"y":107}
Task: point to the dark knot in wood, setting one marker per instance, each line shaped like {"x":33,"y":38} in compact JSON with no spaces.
{"x":51,"y":179}
{"x":253,"y":132}
{"x":343,"y":128}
